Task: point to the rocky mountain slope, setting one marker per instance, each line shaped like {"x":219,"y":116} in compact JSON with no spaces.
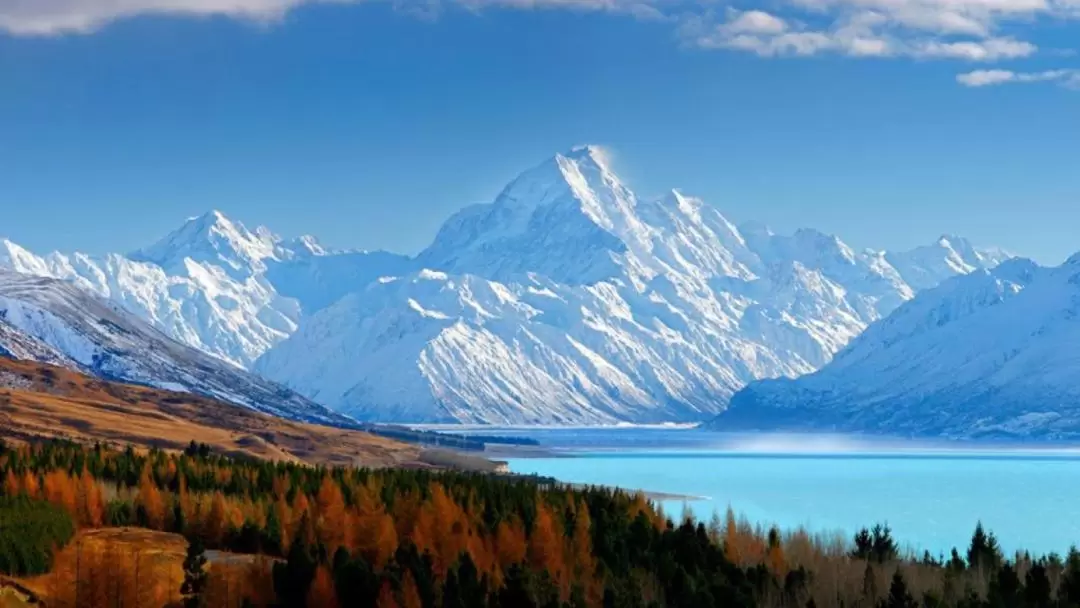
{"x":52,"y":321}
{"x":989,"y":353}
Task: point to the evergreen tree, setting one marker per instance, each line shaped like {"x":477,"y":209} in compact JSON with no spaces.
{"x":292,"y":579}
{"x":885,"y":549}
{"x":1005,"y":588}
{"x":864,"y":544}
{"x":984,"y":552}
{"x":1037,"y":587}
{"x":1069,"y":589}
{"x":195,"y":577}
{"x":899,"y":596}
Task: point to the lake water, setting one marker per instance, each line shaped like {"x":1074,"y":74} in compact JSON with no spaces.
{"x":931,"y":495}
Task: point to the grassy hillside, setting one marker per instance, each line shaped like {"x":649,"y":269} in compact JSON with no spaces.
{"x":38,"y":400}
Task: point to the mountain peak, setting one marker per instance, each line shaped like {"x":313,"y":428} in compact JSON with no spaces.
{"x":590,"y":153}
{"x":212,"y":237}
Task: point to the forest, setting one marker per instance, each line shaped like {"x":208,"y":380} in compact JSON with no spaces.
{"x":259,"y":533}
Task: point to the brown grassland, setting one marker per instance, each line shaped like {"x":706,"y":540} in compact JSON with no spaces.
{"x":42,"y":401}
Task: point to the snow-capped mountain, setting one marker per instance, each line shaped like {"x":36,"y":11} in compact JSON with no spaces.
{"x":570,"y":300}
{"x":208,"y":284}
{"x":990,"y":353}
{"x":53,"y":321}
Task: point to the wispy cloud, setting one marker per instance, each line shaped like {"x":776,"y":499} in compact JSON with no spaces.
{"x":863,"y":34}
{"x":1069,"y":78}
{"x":977,"y":31}
{"x":52,"y":17}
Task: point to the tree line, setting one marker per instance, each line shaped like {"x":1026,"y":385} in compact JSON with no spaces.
{"x":418,"y":538}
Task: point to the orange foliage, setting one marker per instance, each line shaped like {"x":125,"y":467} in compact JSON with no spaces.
{"x":322,"y":593}
{"x":91,"y":503}
{"x":332,"y":524}
{"x":410,"y":595}
{"x":11,"y":484}
{"x":150,"y":500}
{"x":30,"y":485}
{"x":510,"y":543}
{"x":59,"y":490}
{"x":545,"y":545}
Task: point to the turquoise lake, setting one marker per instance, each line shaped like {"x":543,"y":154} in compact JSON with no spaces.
{"x":931,"y":495}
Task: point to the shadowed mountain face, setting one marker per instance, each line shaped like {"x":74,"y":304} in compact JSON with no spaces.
{"x":990,"y":353}
{"x":52,"y":321}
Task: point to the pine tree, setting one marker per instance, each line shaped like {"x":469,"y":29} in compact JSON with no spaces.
{"x":1037,"y":587}
{"x":195,"y":577}
{"x":1069,"y":589}
{"x":899,"y":596}
{"x":1005,"y":588}
{"x":983,"y":553}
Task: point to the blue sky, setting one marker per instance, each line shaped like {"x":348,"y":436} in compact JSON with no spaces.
{"x":887,"y":122}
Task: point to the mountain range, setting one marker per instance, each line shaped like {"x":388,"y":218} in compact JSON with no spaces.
{"x":992,"y":353}
{"x":568,"y":299}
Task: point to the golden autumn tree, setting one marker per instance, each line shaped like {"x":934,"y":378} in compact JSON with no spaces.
{"x":332,"y":525}
{"x":91,"y":501}
{"x":150,"y":501}
{"x":510,"y":543}
{"x":545,"y":549}
{"x":30,"y":485}
{"x":322,"y":593}
{"x":216,"y":524}
{"x":11,"y":484}
{"x":410,"y":594}
{"x":59,"y":490}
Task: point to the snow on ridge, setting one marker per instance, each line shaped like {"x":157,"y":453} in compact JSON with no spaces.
{"x":570,"y":300}
{"x":52,"y":321}
{"x":988,"y":353}
{"x":567,"y":299}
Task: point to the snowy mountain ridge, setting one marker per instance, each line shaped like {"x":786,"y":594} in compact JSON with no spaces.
{"x":570,"y":300}
{"x":987,"y":354}
{"x":52,"y":321}
{"x":206,"y":284}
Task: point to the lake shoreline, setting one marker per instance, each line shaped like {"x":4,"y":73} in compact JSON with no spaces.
{"x":932,"y":494}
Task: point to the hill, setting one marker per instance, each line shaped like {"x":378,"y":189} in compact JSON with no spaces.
{"x":52,"y":321}
{"x":40,"y":400}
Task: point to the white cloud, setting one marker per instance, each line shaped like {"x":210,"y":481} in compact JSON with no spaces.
{"x":755,"y":22}
{"x":1069,"y":78}
{"x":982,"y":31}
{"x":47,"y":17}
{"x":862,"y":34}
{"x":990,"y":49}
{"x":52,"y":17}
